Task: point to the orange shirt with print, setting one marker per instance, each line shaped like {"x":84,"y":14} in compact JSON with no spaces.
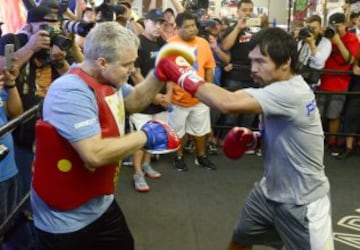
{"x":203,"y":60}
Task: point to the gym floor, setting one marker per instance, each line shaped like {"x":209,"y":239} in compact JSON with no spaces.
{"x":196,"y":210}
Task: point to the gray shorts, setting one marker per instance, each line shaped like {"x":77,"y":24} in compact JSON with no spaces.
{"x":297,"y":227}
{"x":330,"y":106}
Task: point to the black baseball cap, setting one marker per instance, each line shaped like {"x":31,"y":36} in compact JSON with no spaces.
{"x":155,"y":15}
{"x":40,"y":14}
{"x":337,"y":18}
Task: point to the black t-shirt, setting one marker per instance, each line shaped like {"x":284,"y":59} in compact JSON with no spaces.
{"x":148,"y":52}
{"x":239,"y":57}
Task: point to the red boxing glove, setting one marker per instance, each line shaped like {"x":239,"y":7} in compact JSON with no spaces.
{"x":174,"y":64}
{"x":239,"y":140}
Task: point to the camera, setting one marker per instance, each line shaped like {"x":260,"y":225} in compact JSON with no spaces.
{"x":305,"y":33}
{"x":77,"y":27}
{"x":329,"y":32}
{"x":56,"y":38}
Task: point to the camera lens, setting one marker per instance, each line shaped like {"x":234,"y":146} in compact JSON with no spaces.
{"x":329,"y":32}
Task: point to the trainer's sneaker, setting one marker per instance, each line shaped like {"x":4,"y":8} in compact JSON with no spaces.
{"x":204,"y":161}
{"x":212,"y":148}
{"x":150,"y":172}
{"x":140,"y":183}
{"x":179,"y":164}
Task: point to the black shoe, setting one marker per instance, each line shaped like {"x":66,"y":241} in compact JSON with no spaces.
{"x":212,"y":148}
{"x":204,"y":161}
{"x":345,"y":154}
{"x":335,"y":150}
{"x":179,"y":164}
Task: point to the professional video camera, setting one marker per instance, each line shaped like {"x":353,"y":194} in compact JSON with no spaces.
{"x":305,"y":33}
{"x":77,"y":27}
{"x":329,"y":32}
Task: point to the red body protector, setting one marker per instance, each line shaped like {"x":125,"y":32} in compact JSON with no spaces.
{"x":60,"y":177}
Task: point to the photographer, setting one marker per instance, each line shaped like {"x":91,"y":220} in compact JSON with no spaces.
{"x":345,"y":47}
{"x":41,"y":59}
{"x":313,"y":49}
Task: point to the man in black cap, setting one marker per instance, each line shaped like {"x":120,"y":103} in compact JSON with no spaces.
{"x":345,"y":48}
{"x":150,"y":44}
{"x":40,"y":62}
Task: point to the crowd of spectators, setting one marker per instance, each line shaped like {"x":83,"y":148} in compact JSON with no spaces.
{"x":52,"y":40}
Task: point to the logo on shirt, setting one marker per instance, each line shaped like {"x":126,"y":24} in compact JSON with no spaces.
{"x":85,"y":123}
{"x":310,"y":107}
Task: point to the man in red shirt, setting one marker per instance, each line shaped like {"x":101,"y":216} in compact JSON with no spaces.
{"x":345,"y":47}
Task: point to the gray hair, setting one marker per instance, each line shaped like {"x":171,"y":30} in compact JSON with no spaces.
{"x":107,"y":40}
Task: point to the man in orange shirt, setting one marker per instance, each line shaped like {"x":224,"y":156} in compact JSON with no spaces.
{"x":189,"y":115}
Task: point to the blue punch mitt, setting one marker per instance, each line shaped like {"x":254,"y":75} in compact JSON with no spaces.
{"x":161,"y":139}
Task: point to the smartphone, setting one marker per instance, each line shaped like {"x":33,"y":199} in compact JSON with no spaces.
{"x":9,"y":55}
{"x":253,"y":22}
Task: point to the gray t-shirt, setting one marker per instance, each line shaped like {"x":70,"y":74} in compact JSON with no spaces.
{"x":292,"y":142}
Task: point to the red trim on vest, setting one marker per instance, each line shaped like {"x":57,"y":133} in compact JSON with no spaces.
{"x":60,"y":178}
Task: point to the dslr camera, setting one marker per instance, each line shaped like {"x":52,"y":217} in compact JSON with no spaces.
{"x":56,"y":37}
{"x":80,"y":28}
{"x":305,"y":33}
{"x":329,"y":32}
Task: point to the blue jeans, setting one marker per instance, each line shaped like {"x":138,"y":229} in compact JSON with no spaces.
{"x":8,"y":197}
{"x":8,"y":192}
{"x":24,"y":159}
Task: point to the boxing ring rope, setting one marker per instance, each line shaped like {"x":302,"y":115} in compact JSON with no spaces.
{"x":7,"y":128}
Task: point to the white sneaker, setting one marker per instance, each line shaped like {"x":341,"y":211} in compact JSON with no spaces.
{"x":150,"y":172}
{"x":140,"y":183}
